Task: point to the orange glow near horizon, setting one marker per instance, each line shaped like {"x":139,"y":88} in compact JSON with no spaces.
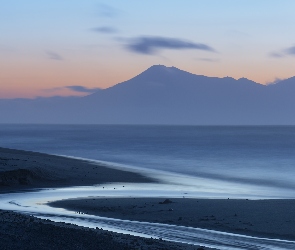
{"x":49,"y":79}
{"x":49,"y":45}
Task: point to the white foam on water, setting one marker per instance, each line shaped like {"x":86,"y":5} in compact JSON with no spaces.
{"x":198,"y":186}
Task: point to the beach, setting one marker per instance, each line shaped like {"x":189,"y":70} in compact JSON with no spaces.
{"x":261,"y":218}
{"x":18,"y":231}
{"x":24,"y":171}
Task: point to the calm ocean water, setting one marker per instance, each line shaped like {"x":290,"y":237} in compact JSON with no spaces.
{"x":245,"y":159}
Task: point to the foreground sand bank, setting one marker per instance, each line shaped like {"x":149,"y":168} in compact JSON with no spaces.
{"x":22,"y":170}
{"x":25,"y":171}
{"x":18,"y":231}
{"x":263,"y":218}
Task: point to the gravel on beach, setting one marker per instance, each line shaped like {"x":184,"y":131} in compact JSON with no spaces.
{"x":20,"y":231}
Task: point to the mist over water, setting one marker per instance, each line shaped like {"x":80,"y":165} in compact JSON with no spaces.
{"x":255,"y":158}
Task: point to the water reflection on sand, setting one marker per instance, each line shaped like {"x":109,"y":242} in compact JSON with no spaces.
{"x":35,"y":203}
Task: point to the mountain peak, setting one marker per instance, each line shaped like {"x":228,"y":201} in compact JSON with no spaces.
{"x":165,"y":95}
{"x":157,"y":72}
{"x":160,"y":67}
{"x":157,"y":66}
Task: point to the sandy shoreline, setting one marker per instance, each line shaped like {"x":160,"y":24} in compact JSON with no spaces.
{"x":261,"y":218}
{"x":19,"y":231}
{"x":24,"y":171}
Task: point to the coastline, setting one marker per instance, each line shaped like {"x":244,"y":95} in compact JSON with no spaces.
{"x":20,"y":231}
{"x":22,"y":171}
{"x":257,"y":218}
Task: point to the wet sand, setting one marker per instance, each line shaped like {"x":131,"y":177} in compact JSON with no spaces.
{"x":24,"y":171}
{"x":263,"y":218}
{"x":18,"y":231}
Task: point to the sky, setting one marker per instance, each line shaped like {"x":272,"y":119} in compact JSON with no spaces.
{"x":74,"y":47}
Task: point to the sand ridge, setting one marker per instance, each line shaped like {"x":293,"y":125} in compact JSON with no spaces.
{"x":262,"y":218}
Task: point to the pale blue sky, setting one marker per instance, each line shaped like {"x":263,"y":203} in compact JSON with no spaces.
{"x":52,"y":44}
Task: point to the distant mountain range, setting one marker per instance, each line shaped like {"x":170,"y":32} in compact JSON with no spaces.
{"x":164,"y":95}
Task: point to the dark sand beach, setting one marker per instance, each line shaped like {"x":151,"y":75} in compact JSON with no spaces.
{"x":24,"y":171}
{"x":262,"y":218}
{"x":18,"y":231}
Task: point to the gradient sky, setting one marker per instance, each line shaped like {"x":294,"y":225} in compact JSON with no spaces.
{"x":73,"y":47}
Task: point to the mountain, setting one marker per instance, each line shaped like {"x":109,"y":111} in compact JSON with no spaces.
{"x":165,"y":95}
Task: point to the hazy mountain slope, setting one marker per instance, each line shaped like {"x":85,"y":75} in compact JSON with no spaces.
{"x":165,"y":95}
{"x":169,"y":95}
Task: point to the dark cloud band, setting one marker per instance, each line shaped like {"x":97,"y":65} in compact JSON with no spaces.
{"x":105,"y":29}
{"x":151,"y":45}
{"x":286,"y":52}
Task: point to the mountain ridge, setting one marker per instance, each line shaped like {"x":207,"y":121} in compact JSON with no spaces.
{"x":165,"y":95}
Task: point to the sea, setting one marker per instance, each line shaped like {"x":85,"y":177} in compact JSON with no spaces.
{"x":216,"y":161}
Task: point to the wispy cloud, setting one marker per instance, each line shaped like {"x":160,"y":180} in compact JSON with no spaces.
{"x":107,"y":11}
{"x":82,"y":89}
{"x":276,"y":80}
{"x":105,"y":29}
{"x":290,"y":51}
{"x":285,"y":52}
{"x":76,"y":88}
{"x":276,"y":55}
{"x":237,"y":33}
{"x":151,"y":45}
{"x":54,"y":56}
{"x":208,"y":60}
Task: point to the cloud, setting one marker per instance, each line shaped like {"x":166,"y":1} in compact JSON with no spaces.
{"x":276,"y":80}
{"x":76,"y":88}
{"x":207,"y":60}
{"x":276,"y":55}
{"x":237,"y":33}
{"x":105,"y":29}
{"x":285,"y":52}
{"x":54,"y":56}
{"x":107,"y":11}
{"x":82,"y":89}
{"x":290,"y":51}
{"x":151,"y":45}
